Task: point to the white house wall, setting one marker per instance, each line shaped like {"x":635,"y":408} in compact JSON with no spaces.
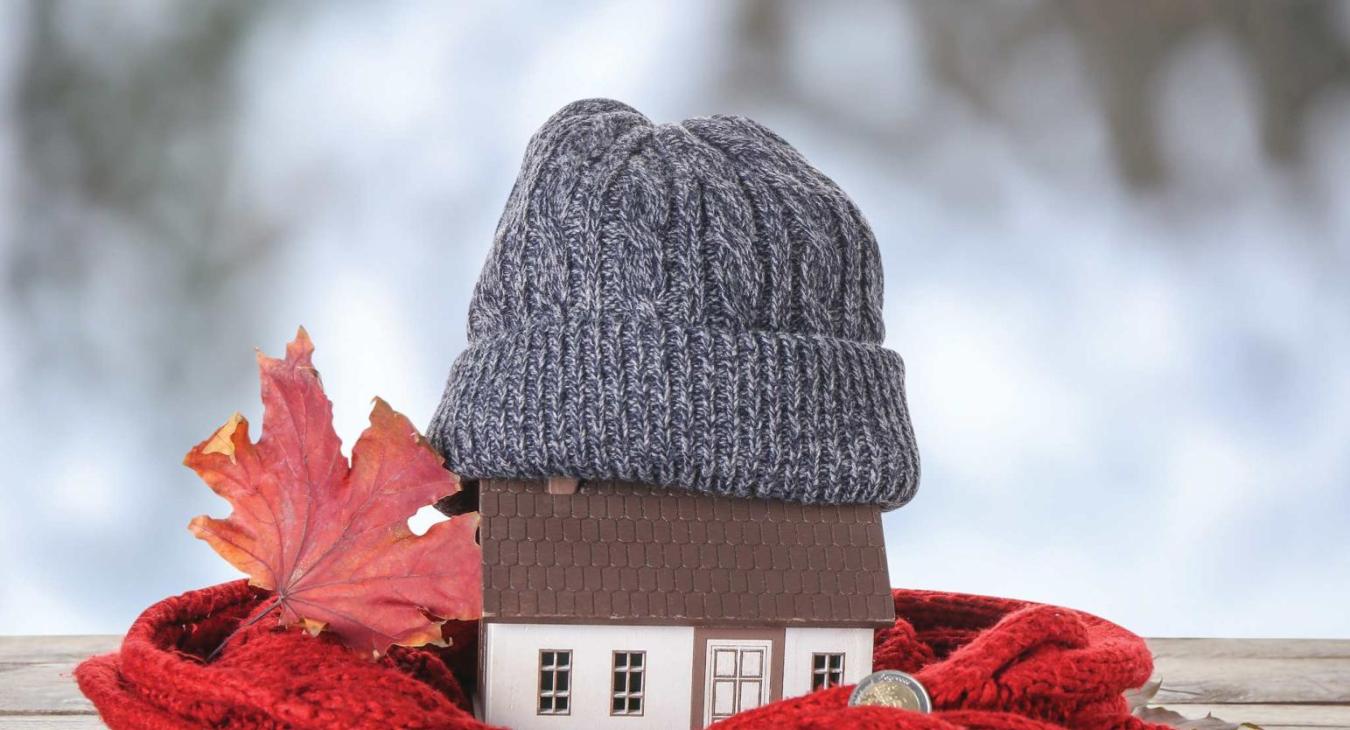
{"x":511,"y":674}
{"x":800,"y":644}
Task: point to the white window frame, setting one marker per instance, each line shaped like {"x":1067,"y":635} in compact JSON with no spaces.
{"x":826,"y":675}
{"x":560,"y":666}
{"x":621,"y":683}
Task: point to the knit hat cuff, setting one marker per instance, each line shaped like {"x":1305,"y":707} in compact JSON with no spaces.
{"x":809,"y":418}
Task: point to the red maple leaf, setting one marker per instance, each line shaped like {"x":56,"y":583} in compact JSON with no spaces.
{"x":331,"y":538}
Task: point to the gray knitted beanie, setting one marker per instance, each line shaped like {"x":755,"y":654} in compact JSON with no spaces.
{"x":689,"y":305}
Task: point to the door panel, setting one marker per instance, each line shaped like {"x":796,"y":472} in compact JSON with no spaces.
{"x":750,"y":696}
{"x":737,"y":679}
{"x":724,"y":697}
{"x":752,"y":663}
{"x":724,"y":662}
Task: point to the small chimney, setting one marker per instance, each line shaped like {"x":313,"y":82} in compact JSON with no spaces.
{"x":562,"y":485}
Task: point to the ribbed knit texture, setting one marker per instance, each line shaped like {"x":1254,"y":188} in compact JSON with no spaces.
{"x":690,"y":305}
{"x":267,"y":677}
{"x":988,"y":664}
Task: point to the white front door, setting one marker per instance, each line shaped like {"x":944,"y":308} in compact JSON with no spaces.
{"x":736,"y":677}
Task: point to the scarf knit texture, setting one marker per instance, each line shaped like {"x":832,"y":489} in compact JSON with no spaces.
{"x":988,"y":664}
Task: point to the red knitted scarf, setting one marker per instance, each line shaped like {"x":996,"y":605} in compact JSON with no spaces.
{"x":988,"y":663}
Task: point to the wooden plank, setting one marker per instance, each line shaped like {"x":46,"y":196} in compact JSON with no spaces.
{"x":37,"y":686}
{"x":1252,"y":681}
{"x":1272,"y":716}
{"x":47,"y":649}
{"x":54,"y":722}
{"x":1251,"y":671}
{"x":1251,"y":648}
{"x":39,"y":689}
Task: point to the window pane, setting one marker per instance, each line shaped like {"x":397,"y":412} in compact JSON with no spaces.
{"x":752,"y":661}
{"x":618,"y":705}
{"x":562,"y":680}
{"x":636,"y":659}
{"x":724,"y":697}
{"x":635,"y":682}
{"x":724,"y":662}
{"x":564,"y":659}
{"x":749,"y":698}
{"x":545,"y":704}
{"x":836,"y":661}
{"x":818,"y":661}
{"x":620,"y":660}
{"x":546,"y":659}
{"x":635,"y":705}
{"x":545,"y":680}
{"x":561,"y":704}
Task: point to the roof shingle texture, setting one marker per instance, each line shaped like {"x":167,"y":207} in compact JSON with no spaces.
{"x":640,"y":554}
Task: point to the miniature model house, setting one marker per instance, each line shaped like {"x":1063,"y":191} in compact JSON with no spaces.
{"x":620,"y":605}
{"x":693,"y":306}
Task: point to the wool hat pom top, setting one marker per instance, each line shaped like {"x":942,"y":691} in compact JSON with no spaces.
{"x":691,"y":305}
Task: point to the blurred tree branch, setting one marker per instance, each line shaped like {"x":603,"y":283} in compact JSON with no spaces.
{"x":1292,"y":49}
{"x":125,"y":144}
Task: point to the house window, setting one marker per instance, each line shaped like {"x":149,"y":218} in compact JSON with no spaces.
{"x":555,"y":682}
{"x":827,"y":670}
{"x":626,"y":693}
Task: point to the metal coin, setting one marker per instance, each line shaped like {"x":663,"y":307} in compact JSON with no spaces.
{"x":891,"y":688}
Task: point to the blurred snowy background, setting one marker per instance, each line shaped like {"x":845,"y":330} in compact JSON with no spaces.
{"x":1116,"y":238}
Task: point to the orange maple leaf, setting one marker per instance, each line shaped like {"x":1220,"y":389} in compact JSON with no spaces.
{"x":331,"y":538}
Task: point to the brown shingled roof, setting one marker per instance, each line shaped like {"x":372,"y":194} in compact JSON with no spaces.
{"x":640,"y":554}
